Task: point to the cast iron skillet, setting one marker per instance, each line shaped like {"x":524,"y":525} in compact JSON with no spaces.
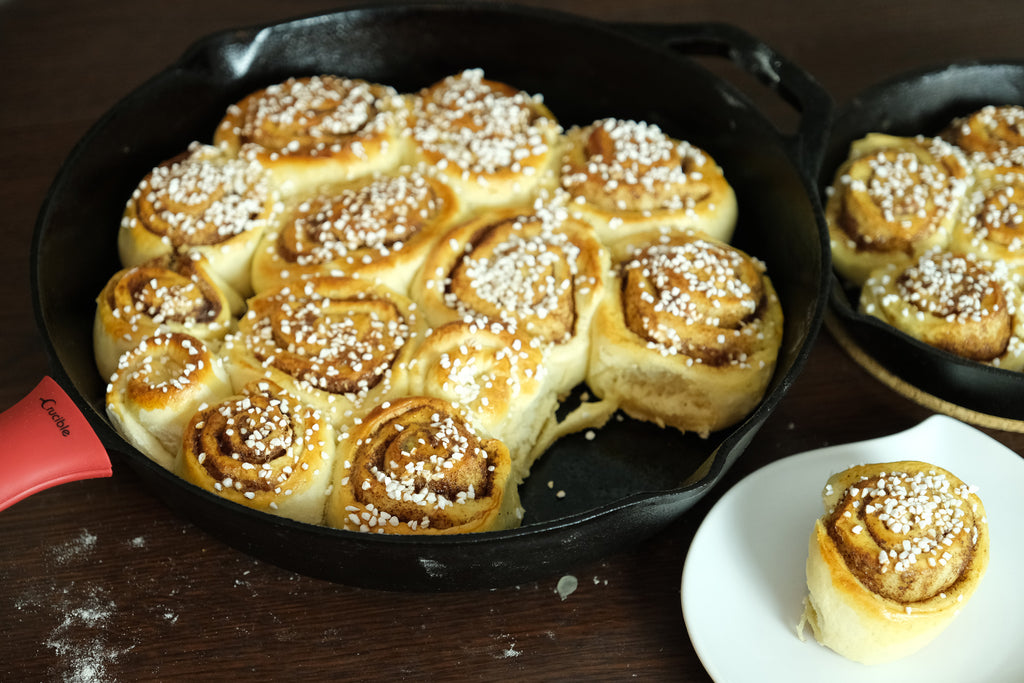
{"x":633,"y":479}
{"x":924,"y":102}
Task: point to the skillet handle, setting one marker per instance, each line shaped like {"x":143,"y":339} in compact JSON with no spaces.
{"x":794,"y":85}
{"x":46,"y":441}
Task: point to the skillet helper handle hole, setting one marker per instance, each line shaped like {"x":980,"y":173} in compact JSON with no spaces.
{"x":46,"y":442}
{"x":798,"y":91}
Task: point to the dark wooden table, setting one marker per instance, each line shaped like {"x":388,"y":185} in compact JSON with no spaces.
{"x":99,"y":581}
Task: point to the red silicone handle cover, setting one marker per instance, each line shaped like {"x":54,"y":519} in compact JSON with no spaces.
{"x":46,"y":441}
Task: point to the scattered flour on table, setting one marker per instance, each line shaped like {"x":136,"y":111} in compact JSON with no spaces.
{"x":83,"y":616}
{"x":509,"y":650}
{"x":80,"y":639}
{"x":76,"y":547}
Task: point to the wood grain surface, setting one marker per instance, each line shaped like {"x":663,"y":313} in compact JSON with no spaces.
{"x":99,"y":581}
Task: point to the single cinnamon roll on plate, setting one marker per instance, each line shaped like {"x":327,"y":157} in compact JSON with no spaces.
{"x":495,"y":144}
{"x":317,"y":129}
{"x":202,"y":201}
{"x":171,"y":293}
{"x":901,"y":548}
{"x":416,"y":465}
{"x":624,"y":176}
{"x":379,"y":228}
{"x":535,"y":270}
{"x":688,"y":332}
{"x":891,"y":200}
{"x":954,"y":302}
{"x":156,"y":389}
{"x":337,"y":343}
{"x":264,"y":449}
{"x":498,"y":377}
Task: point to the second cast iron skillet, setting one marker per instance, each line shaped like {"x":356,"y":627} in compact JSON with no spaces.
{"x":634,"y":478}
{"x":924,"y":102}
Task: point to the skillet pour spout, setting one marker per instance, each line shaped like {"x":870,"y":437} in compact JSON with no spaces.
{"x":585,"y":70}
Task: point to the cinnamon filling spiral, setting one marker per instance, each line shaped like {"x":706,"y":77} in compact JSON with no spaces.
{"x":995,"y":213}
{"x":895,"y":197}
{"x":168,"y":290}
{"x":481,"y":126}
{"x":634,"y":166}
{"x":483,"y":367}
{"x":695,"y":298}
{"x":907,"y":536}
{"x":163,"y":365}
{"x":202,"y":198}
{"x":420,"y":464}
{"x":992,"y":131}
{"x":343,"y":342}
{"x":361,"y":223}
{"x":315,"y":115}
{"x":522,"y":272}
{"x":253,"y":442}
{"x":967,"y":298}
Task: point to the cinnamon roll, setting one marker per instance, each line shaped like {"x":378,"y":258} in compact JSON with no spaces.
{"x":417,"y":466}
{"x":495,"y":144}
{"x":156,"y":389}
{"x":334,"y":342}
{"x":203,"y":201}
{"x":992,"y":135}
{"x":688,"y":332}
{"x":171,"y":293}
{"x":893,"y":199}
{"x":318,"y":129}
{"x":898,"y":553}
{"x":264,"y":449}
{"x":954,"y":302}
{"x":625,"y":176}
{"x":378,"y":228}
{"x":991,"y":223}
{"x":533,"y":269}
{"x":498,"y":377}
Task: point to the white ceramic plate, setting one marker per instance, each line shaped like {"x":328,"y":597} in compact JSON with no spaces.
{"x":743,"y":582}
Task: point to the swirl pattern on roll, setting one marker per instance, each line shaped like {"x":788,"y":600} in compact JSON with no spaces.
{"x":203,"y":201}
{"x":264,"y":449}
{"x":992,"y":135}
{"x":333,"y":341}
{"x":380,"y":228}
{"x":688,"y":333}
{"x":900,"y":550}
{"x":627,"y":175}
{"x":991,"y":224}
{"x":496,"y":144}
{"x":536,"y":271}
{"x":893,"y":199}
{"x":695,"y":297}
{"x":168,"y":294}
{"x":497,"y":376}
{"x":317,"y":129}
{"x":906,"y":536}
{"x":416,"y":465}
{"x":955,"y":302}
{"x":156,"y":389}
